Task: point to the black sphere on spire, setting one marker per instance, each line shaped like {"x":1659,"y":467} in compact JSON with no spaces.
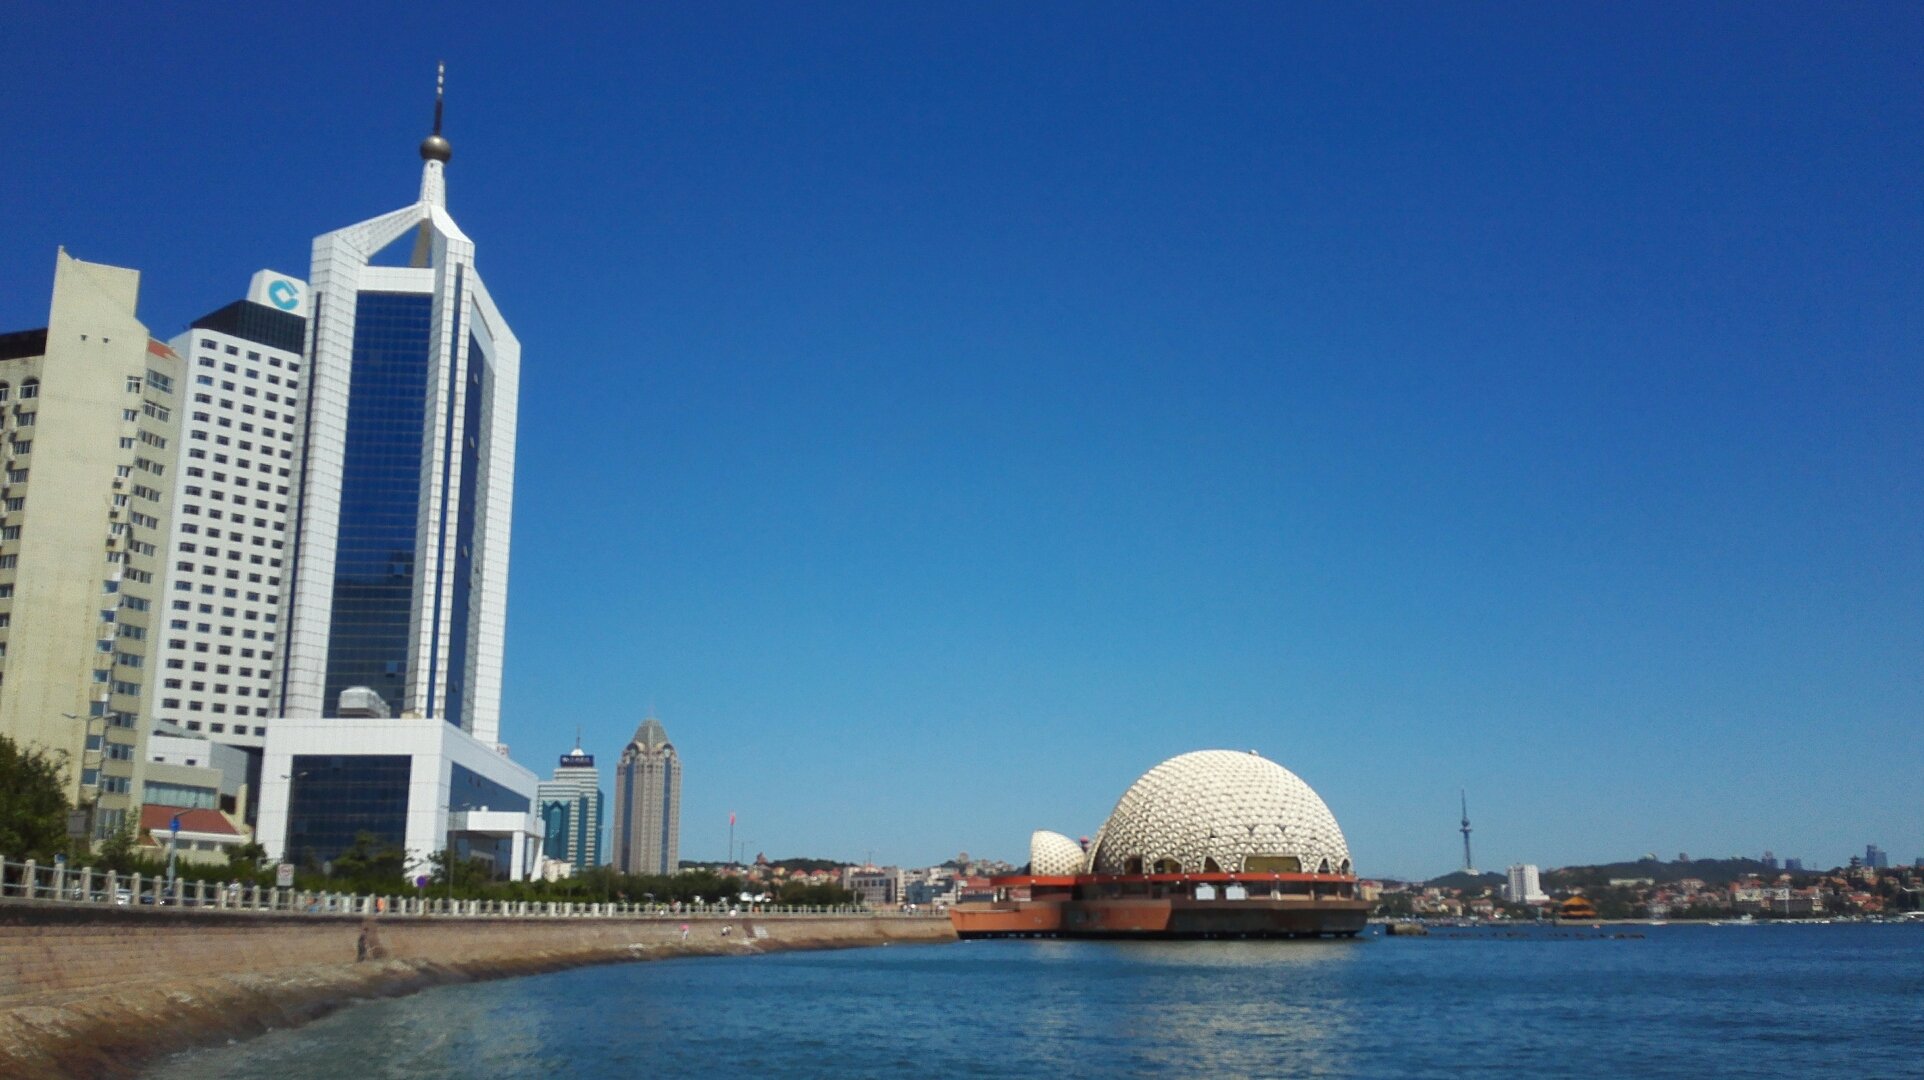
{"x":436,"y":148}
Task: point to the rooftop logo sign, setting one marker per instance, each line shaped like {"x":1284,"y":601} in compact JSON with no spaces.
{"x":279,"y":291}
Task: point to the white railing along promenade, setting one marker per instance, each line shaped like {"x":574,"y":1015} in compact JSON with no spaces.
{"x":86,"y":886}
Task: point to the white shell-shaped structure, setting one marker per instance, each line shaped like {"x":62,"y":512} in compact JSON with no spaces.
{"x":1219,"y":811}
{"x":1052,"y":854}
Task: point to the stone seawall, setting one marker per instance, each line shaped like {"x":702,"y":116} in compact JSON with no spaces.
{"x":99,"y":992}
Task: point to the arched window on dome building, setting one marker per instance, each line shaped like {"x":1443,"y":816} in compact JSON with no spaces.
{"x":1168,"y":866}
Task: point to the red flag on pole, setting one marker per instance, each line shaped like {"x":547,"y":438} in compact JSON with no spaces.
{"x":731,"y":817}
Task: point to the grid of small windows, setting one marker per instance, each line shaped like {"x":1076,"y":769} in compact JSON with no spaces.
{"x":15,"y":445}
{"x":230,"y":540}
{"x":120,"y":657}
{"x":19,"y":405}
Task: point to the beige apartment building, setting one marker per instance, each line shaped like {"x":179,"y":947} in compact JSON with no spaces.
{"x":88,"y":428}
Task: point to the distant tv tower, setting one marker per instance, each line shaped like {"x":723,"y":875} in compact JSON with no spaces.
{"x":1469,"y":865}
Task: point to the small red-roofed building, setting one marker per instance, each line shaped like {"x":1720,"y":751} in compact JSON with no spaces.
{"x":206,"y":836}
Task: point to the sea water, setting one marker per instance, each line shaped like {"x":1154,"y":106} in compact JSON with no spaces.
{"x":1672,"y":1001}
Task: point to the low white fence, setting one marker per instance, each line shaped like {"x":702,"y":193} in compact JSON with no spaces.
{"x":54,"y":882}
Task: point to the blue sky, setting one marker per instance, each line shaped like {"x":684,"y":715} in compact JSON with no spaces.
{"x":941,"y":416}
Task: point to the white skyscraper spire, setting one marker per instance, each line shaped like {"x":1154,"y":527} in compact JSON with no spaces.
{"x":394,"y":610}
{"x":435,"y":150}
{"x":413,"y":384}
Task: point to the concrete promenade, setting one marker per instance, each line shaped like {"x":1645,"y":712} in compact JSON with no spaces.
{"x":99,"y":990}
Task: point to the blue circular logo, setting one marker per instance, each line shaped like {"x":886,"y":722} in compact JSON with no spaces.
{"x":283,"y":295}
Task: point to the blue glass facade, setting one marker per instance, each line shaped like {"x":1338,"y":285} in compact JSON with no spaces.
{"x":380,"y":497}
{"x":571,"y":829}
{"x":456,"y":668}
{"x":335,"y":798}
{"x":555,"y":816}
{"x":469,"y":790}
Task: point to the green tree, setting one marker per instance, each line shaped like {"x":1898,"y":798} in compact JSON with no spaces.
{"x":803,"y":894}
{"x":469,"y":875}
{"x":370,"y":866}
{"x":117,"y":850}
{"x":1396,"y":905}
{"x":33,"y":802}
{"x":243,"y":858}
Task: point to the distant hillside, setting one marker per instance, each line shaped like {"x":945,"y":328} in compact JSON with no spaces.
{"x":791,"y":865}
{"x":1464,"y":880}
{"x":1713,"y":871}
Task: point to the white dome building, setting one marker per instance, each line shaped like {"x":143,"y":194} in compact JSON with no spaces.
{"x":1219,"y":811}
{"x":1052,"y":854}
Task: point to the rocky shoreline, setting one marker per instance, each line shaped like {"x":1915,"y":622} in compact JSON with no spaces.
{"x":118,"y":1032}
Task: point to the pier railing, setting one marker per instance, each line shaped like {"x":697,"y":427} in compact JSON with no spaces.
{"x":56,"y":883}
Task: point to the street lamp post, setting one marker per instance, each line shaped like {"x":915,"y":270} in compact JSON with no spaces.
{"x":173,"y":844}
{"x":80,"y":775}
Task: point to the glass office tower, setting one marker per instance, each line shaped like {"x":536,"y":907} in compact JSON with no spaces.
{"x":398,"y":580}
{"x":406,"y":466}
{"x":571,"y":812}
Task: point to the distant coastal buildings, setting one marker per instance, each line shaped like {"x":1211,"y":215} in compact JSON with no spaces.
{"x":647,"y":827}
{"x":1525,"y":886}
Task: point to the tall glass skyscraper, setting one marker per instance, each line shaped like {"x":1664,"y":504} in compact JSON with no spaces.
{"x":406,"y":468}
{"x":398,"y":576}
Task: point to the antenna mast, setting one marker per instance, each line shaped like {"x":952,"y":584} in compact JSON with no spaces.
{"x":1469,"y":865}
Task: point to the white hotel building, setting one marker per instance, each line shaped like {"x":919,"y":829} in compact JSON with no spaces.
{"x":405,"y":478}
{"x":228,"y":540}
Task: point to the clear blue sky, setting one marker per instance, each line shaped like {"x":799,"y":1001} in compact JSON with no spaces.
{"x":942,"y":417}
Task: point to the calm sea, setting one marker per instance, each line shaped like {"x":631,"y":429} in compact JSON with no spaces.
{"x":1679,"y":1001}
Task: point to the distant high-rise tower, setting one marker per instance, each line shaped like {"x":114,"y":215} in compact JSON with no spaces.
{"x":1525,"y":885}
{"x":1469,"y":865}
{"x":647,"y":835}
{"x":1876,"y":857}
{"x":571,"y":811}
